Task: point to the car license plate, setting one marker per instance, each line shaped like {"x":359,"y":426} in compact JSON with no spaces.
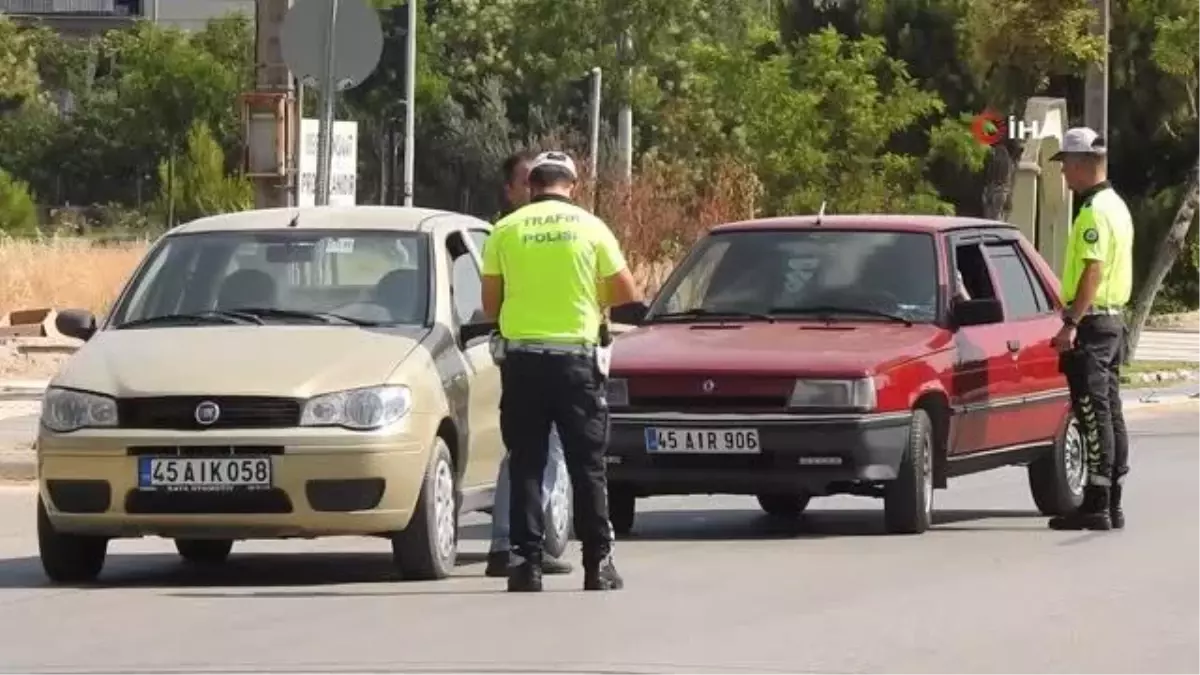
{"x":203,"y":474}
{"x":702,"y":441}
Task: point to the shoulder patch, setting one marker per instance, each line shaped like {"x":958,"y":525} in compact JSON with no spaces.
{"x":1091,"y":236}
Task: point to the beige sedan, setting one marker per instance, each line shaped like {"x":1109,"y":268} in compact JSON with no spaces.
{"x":278,"y":373}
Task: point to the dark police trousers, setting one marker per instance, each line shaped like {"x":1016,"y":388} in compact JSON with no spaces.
{"x":1093,"y":375}
{"x":567,"y":390}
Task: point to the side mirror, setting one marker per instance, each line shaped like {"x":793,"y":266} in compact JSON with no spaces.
{"x":77,"y":323}
{"x":977,"y":312}
{"x":471,"y":331}
{"x":632,"y":313}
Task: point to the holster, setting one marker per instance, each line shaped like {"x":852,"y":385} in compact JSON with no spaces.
{"x":1070,"y":362}
{"x":498,"y":347}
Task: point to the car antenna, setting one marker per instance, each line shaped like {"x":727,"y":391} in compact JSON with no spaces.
{"x":294,"y":221}
{"x":821,"y":213}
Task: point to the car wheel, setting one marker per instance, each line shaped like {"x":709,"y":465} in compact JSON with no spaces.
{"x":428,"y":547}
{"x":1057,"y":479}
{"x":204,"y":551}
{"x":68,"y":558}
{"x":622,"y":507}
{"x":784,"y":506}
{"x":558,"y":515}
{"x":908,"y":500}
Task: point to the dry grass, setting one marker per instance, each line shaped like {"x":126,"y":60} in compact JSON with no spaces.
{"x":656,"y":218}
{"x":63,"y":272}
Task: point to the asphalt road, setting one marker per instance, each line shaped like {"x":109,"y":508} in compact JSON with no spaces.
{"x":712,"y":586}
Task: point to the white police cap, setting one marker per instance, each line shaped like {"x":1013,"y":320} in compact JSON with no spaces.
{"x":1081,"y":141}
{"x":556,"y":158}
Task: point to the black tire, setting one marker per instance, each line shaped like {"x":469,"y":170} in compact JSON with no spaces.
{"x":622,"y":509}
{"x":908,"y":500}
{"x":559,"y":530}
{"x":784,"y":506}
{"x":1057,"y":478}
{"x":68,"y":558}
{"x":204,"y":551}
{"x":417,"y":550}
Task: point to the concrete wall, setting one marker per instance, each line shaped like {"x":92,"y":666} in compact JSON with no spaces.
{"x":193,"y":14}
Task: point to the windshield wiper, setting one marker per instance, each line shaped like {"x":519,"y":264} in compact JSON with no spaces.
{"x":826,"y":311}
{"x":324,"y":317}
{"x":212,"y":316}
{"x":700,"y":312}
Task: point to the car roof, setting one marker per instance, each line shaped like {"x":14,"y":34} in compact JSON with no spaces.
{"x":395,"y":218}
{"x":895,"y":223}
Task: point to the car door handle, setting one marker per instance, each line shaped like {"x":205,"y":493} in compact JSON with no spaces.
{"x":1014,"y":346}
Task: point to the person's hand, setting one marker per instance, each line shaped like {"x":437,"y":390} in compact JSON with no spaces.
{"x":1064,"y":340}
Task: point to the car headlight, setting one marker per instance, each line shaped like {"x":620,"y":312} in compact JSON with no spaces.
{"x":858,"y":394}
{"x":66,"y":410}
{"x":361,"y":409}
{"x":617,"y":393}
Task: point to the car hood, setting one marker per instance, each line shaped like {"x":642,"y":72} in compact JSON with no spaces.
{"x":781,"y":348}
{"x":272,"y":360}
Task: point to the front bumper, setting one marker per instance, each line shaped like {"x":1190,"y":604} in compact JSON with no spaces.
{"x":324,"y":482}
{"x":798,"y":453}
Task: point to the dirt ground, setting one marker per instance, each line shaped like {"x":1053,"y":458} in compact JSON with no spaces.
{"x":1186,"y":321}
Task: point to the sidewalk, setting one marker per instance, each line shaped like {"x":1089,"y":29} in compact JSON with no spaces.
{"x":17,"y":432}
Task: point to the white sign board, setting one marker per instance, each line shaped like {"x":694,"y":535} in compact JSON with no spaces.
{"x":343,"y":171}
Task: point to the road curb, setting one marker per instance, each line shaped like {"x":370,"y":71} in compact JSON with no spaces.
{"x":18,"y":468}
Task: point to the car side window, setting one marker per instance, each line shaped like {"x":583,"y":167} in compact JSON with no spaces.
{"x":466,"y":288}
{"x":478,"y":239}
{"x":973,"y":280}
{"x":1020,"y":298}
{"x":1040,"y":294}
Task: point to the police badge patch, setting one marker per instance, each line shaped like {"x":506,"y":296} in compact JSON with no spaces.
{"x":1091,"y":236}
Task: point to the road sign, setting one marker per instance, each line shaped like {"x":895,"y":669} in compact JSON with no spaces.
{"x":357,"y":41}
{"x":336,"y":44}
{"x":343,"y":171}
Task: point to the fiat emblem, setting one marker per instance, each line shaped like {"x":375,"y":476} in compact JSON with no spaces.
{"x":708,"y":386}
{"x":207,"y":413}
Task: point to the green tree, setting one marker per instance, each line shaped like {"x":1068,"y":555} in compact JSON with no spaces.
{"x":198,"y":185}
{"x":18,"y":65}
{"x":18,"y":213}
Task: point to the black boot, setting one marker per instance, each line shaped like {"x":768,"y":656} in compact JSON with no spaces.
{"x":602,"y":575}
{"x":526,"y":577}
{"x":1115,"y":514}
{"x":498,"y":563}
{"x":1092,"y":514}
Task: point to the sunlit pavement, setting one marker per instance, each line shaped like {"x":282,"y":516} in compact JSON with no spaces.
{"x":712,"y":586}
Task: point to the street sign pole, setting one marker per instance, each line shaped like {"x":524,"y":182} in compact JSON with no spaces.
{"x":328,"y":91}
{"x":410,"y":89}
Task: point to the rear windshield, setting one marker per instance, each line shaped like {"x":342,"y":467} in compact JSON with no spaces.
{"x":375,"y":276}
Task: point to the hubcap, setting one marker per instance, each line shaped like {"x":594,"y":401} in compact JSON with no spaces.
{"x":560,"y":502}
{"x":927,"y":469}
{"x":443,"y":509}
{"x":1073,"y":459}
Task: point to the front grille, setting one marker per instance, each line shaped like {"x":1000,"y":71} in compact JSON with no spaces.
{"x":713,"y":404}
{"x":236,"y":412}
{"x":203,"y":451}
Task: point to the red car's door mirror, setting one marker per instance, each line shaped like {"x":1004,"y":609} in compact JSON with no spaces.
{"x":977,"y":312}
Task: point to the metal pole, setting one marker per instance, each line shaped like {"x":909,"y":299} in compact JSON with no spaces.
{"x":410,"y":90}
{"x":625,"y":115}
{"x":594,"y":145}
{"x":325,"y":132}
{"x":1095,"y":106}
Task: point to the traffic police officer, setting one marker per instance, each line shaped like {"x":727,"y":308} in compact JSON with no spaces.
{"x":1097,"y":282}
{"x":549,"y":270}
{"x":516,"y":195}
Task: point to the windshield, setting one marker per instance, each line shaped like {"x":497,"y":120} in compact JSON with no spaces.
{"x":867,"y":275}
{"x":281,"y":276}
